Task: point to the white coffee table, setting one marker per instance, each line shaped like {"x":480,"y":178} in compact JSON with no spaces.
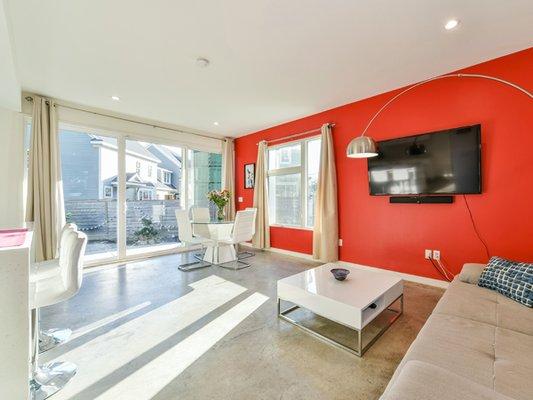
{"x":354,"y":302}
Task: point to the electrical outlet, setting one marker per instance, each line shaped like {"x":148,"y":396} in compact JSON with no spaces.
{"x":240,"y":200}
{"x":340,"y":242}
{"x":436,"y":255}
{"x":427,"y":254}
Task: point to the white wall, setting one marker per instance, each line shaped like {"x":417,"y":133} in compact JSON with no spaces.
{"x":11,"y":168}
{"x":9,"y":84}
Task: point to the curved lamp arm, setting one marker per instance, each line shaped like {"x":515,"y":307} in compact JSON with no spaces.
{"x":364,"y":146}
{"x":492,"y":78}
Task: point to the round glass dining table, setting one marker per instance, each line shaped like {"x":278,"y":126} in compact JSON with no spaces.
{"x":215,"y":230}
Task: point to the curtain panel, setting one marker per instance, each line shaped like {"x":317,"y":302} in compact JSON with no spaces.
{"x":261,"y":239}
{"x":325,"y":230}
{"x":228,"y":175}
{"x":45,"y":191}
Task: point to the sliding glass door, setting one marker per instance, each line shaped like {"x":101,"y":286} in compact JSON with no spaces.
{"x":124,"y":193}
{"x":89,"y":167}
{"x":153,"y":193}
{"x":204,"y":173}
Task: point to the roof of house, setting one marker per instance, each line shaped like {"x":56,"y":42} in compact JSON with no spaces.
{"x":132,"y":147}
{"x":166,"y":152}
{"x":134,"y":180}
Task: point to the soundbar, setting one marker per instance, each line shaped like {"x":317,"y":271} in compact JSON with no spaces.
{"x":421,"y":199}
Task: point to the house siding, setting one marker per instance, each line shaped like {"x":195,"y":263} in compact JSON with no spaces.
{"x":79,"y":166}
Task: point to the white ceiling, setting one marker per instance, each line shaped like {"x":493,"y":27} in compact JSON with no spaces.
{"x":271,"y":61}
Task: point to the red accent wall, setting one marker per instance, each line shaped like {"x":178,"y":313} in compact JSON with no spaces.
{"x":394,"y":236}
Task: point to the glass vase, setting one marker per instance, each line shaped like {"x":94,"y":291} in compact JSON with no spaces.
{"x":220,"y":214}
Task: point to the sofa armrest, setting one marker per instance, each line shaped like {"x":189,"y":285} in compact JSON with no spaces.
{"x":422,"y":381}
{"x":471,"y":273}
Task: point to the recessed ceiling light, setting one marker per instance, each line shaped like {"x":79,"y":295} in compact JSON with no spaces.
{"x":115,"y":98}
{"x":202,"y":62}
{"x":215,"y":123}
{"x":451,"y":24}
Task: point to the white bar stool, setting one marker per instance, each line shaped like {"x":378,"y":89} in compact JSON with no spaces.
{"x":53,"y":337}
{"x":52,"y":289}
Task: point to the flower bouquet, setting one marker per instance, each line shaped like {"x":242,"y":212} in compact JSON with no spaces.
{"x":219,"y":198}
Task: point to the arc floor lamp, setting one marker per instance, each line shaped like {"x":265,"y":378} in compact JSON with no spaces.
{"x":365,"y":147}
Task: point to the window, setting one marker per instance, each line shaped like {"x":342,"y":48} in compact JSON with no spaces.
{"x":167,"y":177}
{"x":204,"y":174}
{"x":149,"y":171}
{"x":292,"y":181}
{"x":138,"y":167}
{"x":145,"y":194}
{"x":108,"y":192}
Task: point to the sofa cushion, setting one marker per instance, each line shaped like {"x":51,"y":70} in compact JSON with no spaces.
{"x":513,"y":365}
{"x":469,"y":301}
{"x":457,"y":344}
{"x":420,"y":381}
{"x":514,"y":316}
{"x":471,"y":273}
{"x":512,"y":279}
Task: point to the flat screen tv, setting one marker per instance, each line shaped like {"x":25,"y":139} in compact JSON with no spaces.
{"x":445,"y":162}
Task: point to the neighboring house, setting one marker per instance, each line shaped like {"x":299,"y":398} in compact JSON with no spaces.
{"x":168,"y":171}
{"x":89,"y":166}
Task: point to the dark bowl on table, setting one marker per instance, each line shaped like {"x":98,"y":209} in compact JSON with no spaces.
{"x":340,"y":273}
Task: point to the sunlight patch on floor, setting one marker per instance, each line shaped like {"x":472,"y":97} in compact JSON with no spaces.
{"x":107,"y":320}
{"x":147,"y":381}
{"x":106,"y":353}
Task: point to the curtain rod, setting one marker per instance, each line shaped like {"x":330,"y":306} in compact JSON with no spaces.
{"x":30,"y":99}
{"x":296,"y":134}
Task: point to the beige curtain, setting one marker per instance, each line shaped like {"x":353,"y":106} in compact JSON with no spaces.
{"x":45,"y":190}
{"x":228,"y":175}
{"x":326,"y":231}
{"x":261,"y":239}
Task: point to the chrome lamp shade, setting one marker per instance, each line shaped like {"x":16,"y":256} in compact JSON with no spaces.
{"x":362,"y":147}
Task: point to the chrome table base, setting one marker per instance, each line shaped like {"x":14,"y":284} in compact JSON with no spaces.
{"x":360,"y":349}
{"x":235,"y":265}
{"x":52,"y":338}
{"x":50,"y":378}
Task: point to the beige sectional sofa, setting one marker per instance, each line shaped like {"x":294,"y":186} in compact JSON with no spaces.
{"x":477,"y":344}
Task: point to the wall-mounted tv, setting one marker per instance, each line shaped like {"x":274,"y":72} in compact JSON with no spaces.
{"x":444,"y":162}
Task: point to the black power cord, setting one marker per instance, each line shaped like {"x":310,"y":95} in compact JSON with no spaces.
{"x":475,"y":228}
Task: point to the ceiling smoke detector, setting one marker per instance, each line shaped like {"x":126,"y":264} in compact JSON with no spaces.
{"x":202,"y":62}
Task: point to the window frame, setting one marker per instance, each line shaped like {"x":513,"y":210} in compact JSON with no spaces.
{"x":122,"y":134}
{"x":302,"y":169}
{"x":106,"y":187}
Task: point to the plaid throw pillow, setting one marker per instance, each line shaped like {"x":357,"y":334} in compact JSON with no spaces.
{"x":512,"y":279}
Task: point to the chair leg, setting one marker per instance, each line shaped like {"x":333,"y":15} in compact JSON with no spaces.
{"x":50,"y":378}
{"x":238,"y":264}
{"x":53,"y":338}
{"x":244,"y":254}
{"x":194,"y":265}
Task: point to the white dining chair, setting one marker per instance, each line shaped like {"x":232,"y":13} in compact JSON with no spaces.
{"x":247,"y":254}
{"x":186,"y":237}
{"x":200,"y":214}
{"x":46,"y":291}
{"x":243,"y":229}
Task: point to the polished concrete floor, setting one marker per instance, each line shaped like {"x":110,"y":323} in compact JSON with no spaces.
{"x":147,"y":330}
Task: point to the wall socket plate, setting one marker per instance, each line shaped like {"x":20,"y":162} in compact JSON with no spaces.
{"x":436,"y":255}
{"x":340,"y":242}
{"x":239,"y":199}
{"x":428,"y":254}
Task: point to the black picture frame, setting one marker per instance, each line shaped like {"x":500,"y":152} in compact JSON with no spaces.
{"x":249,"y":176}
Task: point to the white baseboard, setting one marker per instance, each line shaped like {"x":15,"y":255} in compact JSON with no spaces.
{"x":404,"y":276}
{"x":407,"y":277}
